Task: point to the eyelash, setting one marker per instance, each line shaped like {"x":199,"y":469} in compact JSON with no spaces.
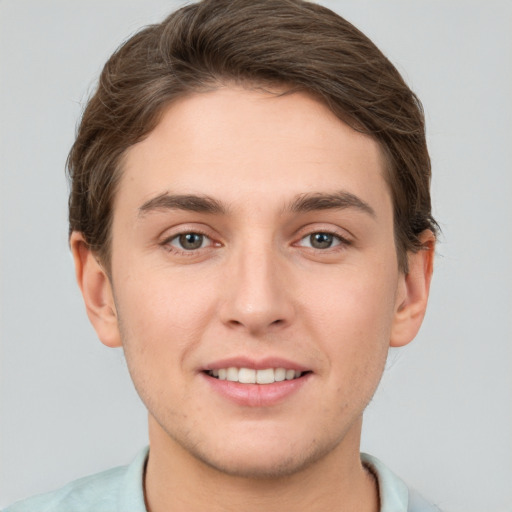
{"x":341,"y":242}
{"x":167,"y":243}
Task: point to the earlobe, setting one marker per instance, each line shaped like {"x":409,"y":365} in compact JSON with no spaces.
{"x":96,"y":290}
{"x":413,"y":294}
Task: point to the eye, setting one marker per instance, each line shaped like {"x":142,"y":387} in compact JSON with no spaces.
{"x":320,"y":240}
{"x":190,"y":241}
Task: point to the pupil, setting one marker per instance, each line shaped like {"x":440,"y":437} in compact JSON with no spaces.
{"x":321,"y":240}
{"x":191,"y":241}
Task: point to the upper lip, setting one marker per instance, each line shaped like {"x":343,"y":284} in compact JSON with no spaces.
{"x":256,"y":364}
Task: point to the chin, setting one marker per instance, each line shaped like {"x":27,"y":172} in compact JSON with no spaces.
{"x":260,"y":460}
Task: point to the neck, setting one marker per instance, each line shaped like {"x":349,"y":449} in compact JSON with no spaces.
{"x":177,"y":481}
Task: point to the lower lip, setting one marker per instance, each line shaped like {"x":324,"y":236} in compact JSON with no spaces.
{"x":257,"y":395}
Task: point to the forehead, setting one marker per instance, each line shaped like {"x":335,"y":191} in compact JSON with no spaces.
{"x":238,"y":144}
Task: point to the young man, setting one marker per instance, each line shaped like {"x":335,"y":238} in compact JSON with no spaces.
{"x":250,"y":220}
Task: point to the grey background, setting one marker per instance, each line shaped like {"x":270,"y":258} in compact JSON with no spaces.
{"x":442,"y":418}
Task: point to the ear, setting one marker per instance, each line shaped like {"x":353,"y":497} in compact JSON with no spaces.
{"x":413,"y":290}
{"x":96,"y":291}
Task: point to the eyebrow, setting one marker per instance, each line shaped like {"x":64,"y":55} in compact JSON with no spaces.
{"x":336,"y":201}
{"x":187,"y":202}
{"x":303,"y":203}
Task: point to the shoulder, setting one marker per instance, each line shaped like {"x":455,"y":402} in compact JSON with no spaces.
{"x":395,"y":495}
{"x":95,"y":492}
{"x":109,"y":491}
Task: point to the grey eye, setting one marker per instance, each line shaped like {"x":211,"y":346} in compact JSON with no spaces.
{"x":189,"y":241}
{"x":320,"y":240}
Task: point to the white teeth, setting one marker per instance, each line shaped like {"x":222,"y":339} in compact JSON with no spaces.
{"x":265,"y":376}
{"x":251,"y":376}
{"x":247,"y":376}
{"x":232,"y":374}
{"x":290,"y":374}
{"x":279,"y":374}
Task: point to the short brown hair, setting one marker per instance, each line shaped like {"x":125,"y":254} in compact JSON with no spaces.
{"x":292,"y":43}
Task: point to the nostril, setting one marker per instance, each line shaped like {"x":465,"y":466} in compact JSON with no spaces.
{"x":256,"y":326}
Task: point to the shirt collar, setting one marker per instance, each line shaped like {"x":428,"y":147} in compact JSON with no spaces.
{"x":131,"y":492}
{"x":393,"y":493}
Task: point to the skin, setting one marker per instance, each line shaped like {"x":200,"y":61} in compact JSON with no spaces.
{"x":257,"y":287}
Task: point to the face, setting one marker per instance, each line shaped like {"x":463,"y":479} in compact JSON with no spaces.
{"x":254,"y":279}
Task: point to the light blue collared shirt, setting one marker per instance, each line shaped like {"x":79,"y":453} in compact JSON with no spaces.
{"x":121,"y":490}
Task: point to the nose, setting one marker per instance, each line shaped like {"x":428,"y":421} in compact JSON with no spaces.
{"x":257,"y":297}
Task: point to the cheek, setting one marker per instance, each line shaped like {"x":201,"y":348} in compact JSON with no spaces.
{"x":353,"y":305}
{"x":352,"y":319}
{"x":162,"y":299}
{"x":161,"y":318}
{"x":160,"y":326}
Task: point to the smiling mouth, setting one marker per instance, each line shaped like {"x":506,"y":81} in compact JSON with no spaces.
{"x":252,"y":376}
